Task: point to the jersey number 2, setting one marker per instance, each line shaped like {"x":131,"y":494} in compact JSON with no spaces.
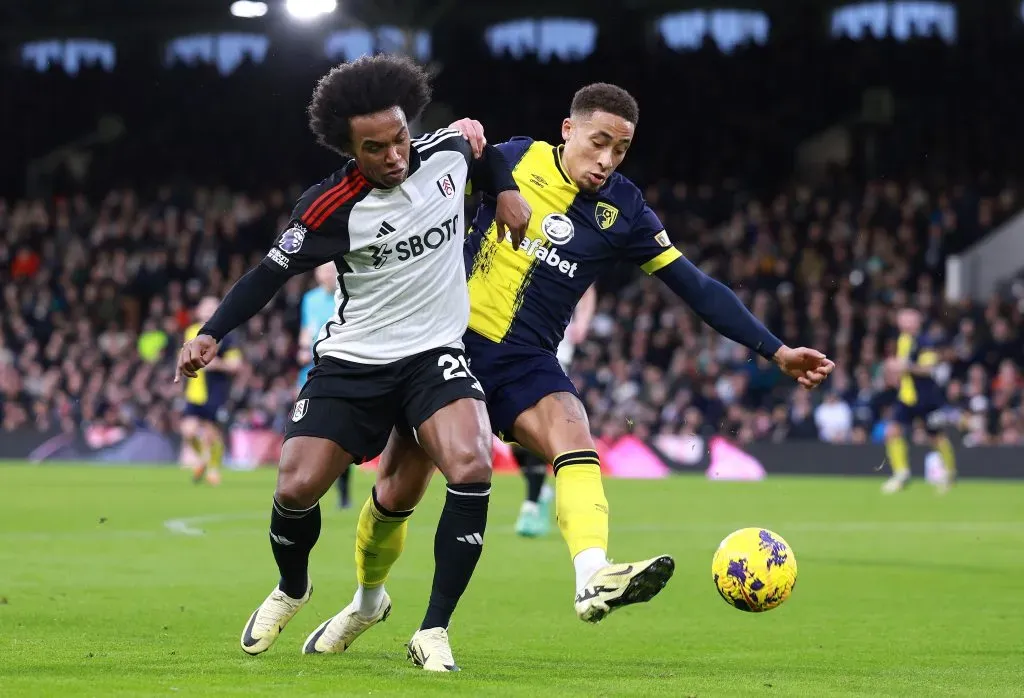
{"x":457,"y":368}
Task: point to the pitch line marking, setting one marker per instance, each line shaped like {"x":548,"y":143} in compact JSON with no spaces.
{"x":187,"y":526}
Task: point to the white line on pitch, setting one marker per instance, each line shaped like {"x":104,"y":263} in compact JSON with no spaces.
{"x":186,"y":526}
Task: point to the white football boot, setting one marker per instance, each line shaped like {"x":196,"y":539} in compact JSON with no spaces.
{"x":431,"y":650}
{"x":267,"y":621}
{"x":338,"y":633}
{"x":619,"y":585}
{"x":896,"y":483}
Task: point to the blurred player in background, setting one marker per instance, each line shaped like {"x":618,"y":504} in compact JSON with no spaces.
{"x":535,"y":513}
{"x":318,"y":306}
{"x":918,"y":397}
{"x":586,"y":218}
{"x":205,"y":396}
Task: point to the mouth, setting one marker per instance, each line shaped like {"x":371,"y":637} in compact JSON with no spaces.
{"x":396,"y":173}
{"x":595,"y":179}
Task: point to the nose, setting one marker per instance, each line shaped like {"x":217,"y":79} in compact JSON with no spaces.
{"x":604,"y":160}
{"x":392,"y":156}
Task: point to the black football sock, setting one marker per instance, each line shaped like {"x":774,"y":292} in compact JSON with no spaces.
{"x":344,"y":485}
{"x":534,"y":471}
{"x":458,"y":543}
{"x":293,"y":533}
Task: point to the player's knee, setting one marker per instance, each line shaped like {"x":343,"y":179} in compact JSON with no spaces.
{"x":297,"y":487}
{"x":893,"y":431}
{"x":470,"y":461}
{"x":396,"y":494}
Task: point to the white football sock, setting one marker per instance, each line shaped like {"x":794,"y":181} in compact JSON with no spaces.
{"x":587,"y":562}
{"x":367,"y":599}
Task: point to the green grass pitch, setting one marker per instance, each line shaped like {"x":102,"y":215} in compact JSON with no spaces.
{"x":133,"y":582}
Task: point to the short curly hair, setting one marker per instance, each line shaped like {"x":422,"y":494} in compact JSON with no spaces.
{"x":603,"y":96}
{"x":365,"y":86}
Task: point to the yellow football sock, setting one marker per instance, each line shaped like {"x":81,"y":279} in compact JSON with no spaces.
{"x":380,"y":539}
{"x":196,"y":444}
{"x":897,"y":452}
{"x":581,"y":507}
{"x":945,"y":448}
{"x":216,"y":452}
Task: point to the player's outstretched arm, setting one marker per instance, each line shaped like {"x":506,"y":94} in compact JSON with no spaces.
{"x":717,"y":305}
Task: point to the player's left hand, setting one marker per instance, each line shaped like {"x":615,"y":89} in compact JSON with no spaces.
{"x":195,"y":355}
{"x":473,"y":131}
{"x":512,"y":213}
{"x":808,"y":367}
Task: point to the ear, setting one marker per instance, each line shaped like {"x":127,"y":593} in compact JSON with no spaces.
{"x":567,"y":128}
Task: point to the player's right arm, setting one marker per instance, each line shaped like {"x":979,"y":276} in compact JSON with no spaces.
{"x":312,"y":237}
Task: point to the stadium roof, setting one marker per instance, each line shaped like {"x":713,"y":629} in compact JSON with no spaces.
{"x":108,"y":18}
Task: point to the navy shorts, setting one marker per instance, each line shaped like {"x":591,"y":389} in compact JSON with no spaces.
{"x":514,"y":378}
{"x":928,"y":412}
{"x":205,"y":413}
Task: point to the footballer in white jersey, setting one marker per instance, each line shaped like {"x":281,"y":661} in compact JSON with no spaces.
{"x":390,"y":366}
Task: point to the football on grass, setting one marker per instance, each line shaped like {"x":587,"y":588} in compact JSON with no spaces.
{"x":754,"y":569}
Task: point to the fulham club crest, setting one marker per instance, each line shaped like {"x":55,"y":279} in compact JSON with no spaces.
{"x":300,"y":410}
{"x":446,"y":186}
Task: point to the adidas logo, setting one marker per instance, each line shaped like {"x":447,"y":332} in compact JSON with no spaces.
{"x":472,"y":539}
{"x":385,"y":229}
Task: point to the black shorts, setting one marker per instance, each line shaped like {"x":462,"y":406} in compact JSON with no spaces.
{"x":357,"y":405}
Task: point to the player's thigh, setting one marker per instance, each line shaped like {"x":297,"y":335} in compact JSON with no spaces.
{"x":309,"y":466}
{"x":189,"y":427}
{"x":557,"y":423}
{"x":458,"y":438}
{"x":444,"y":410}
{"x":403,"y":473}
{"x":210,"y":431}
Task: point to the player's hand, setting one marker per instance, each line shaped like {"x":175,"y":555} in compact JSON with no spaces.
{"x":194,"y":355}
{"x":808,"y":367}
{"x":473,"y":131}
{"x":512,"y":216}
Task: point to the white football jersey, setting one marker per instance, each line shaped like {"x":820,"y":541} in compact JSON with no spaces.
{"x":401,"y":271}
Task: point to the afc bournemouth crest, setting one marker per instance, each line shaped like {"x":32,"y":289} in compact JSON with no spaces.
{"x":446,"y":186}
{"x":606,"y":215}
{"x":300,"y":410}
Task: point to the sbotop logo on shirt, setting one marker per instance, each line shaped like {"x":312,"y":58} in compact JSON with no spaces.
{"x":416,"y":244}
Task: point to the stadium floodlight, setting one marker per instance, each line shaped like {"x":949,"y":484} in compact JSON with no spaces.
{"x":310,"y":9}
{"x":248,"y":8}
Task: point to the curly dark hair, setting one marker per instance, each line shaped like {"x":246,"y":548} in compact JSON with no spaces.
{"x":365,"y":86}
{"x":603,"y":96}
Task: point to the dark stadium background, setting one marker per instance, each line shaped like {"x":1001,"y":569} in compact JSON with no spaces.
{"x":831,"y":162}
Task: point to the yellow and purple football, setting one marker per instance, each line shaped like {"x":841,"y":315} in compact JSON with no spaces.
{"x":754,"y":569}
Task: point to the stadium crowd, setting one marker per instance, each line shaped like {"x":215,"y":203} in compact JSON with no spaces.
{"x":96,"y":296}
{"x":98,"y":286}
